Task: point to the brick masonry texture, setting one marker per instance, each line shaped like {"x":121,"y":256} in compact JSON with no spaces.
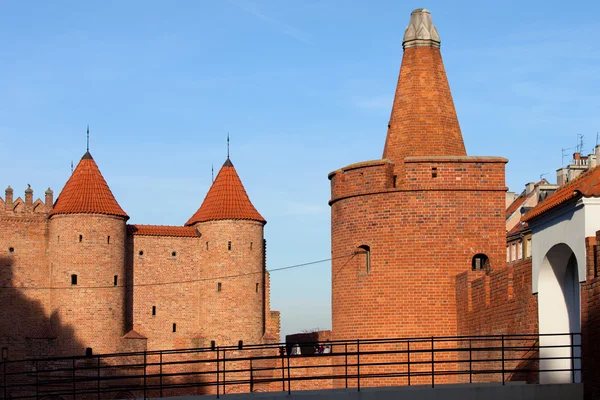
{"x":141,"y":287}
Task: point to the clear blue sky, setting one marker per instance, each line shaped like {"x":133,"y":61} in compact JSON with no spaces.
{"x":303,"y":87}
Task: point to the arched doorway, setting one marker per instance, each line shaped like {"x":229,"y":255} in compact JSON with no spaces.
{"x":559,"y":312}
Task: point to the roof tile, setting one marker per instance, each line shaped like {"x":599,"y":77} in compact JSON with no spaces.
{"x":226,"y":199}
{"x":586,"y":185}
{"x":162,"y":230}
{"x":86,"y":192}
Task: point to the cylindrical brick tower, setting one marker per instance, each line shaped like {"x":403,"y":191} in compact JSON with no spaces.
{"x":232,"y":298}
{"x":86,"y":248}
{"x":403,"y":227}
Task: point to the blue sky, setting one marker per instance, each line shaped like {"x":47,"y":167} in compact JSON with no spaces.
{"x":303,"y":87}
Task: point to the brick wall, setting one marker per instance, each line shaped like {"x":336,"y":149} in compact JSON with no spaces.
{"x":590,"y":320}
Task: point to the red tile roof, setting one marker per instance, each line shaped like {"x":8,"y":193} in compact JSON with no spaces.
{"x":521,"y":226}
{"x":226,"y":199}
{"x":586,"y":185}
{"x":86,"y":192}
{"x":162,"y":230}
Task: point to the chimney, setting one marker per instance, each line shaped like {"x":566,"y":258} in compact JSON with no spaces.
{"x":9,"y":197}
{"x":561,"y":176}
{"x":49,"y":198}
{"x":592,"y":160}
{"x":529,"y":187}
{"x":28,"y":196}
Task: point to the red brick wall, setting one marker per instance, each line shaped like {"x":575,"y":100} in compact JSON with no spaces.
{"x":590,"y":320}
{"x":420,"y":235}
{"x":95,"y":307}
{"x":496,"y":303}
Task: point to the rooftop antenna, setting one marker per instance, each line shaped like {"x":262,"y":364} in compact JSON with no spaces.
{"x":579,"y":142}
{"x":88,"y":138}
{"x":564,"y":153}
{"x":542,"y":175}
{"x":227,"y":145}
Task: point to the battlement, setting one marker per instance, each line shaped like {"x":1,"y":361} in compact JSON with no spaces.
{"x":419,"y":173}
{"x":19,"y":207}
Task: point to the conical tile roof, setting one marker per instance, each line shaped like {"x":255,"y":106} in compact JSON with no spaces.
{"x":423,"y":121}
{"x":86,"y":192}
{"x":226,"y":199}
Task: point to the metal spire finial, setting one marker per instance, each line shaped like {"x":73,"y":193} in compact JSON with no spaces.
{"x":88,"y":138}
{"x":212,"y":172}
{"x":228,"y":145}
{"x":71,"y":166}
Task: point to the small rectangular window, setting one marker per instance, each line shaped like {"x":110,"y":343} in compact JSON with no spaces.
{"x":528,"y":248}
{"x":257,"y":288}
{"x":108,"y":240}
{"x":80,"y":238}
{"x":116,"y":280}
{"x":219,"y":287}
{"x":228,"y":245}
{"x":206,"y":245}
{"x":73,"y":279}
{"x":250,"y":245}
{"x":434,"y":172}
{"x":174,"y":327}
{"x":395,"y":180}
{"x":153,"y":310}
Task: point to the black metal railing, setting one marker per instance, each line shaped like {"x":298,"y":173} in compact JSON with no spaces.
{"x":271,"y":367}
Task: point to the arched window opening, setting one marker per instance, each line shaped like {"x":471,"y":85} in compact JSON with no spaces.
{"x":228,"y":245}
{"x":364,"y":251}
{"x":73,"y":279}
{"x":480,"y":262}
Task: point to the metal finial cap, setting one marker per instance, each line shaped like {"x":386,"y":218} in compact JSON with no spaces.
{"x":420,"y":31}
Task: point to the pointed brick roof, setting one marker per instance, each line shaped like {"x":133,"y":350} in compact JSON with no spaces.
{"x":226,"y":199}
{"x":423,"y":121}
{"x":587,"y":185}
{"x":86,"y":192}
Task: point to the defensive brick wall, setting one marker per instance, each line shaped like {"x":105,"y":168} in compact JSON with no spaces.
{"x":590,"y":320}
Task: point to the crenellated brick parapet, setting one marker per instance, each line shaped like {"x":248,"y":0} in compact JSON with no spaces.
{"x":18,"y":207}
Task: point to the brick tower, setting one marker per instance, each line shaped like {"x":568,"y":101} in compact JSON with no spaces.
{"x":233,"y":307}
{"x":402,"y":227}
{"x":86,"y":247}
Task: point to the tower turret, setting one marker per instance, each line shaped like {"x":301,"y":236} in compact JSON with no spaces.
{"x":87,"y":235}
{"x":233,"y":245}
{"x":423,"y":121}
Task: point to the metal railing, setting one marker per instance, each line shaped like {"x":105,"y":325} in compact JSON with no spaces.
{"x":350,"y":364}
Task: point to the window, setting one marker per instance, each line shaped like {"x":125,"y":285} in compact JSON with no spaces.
{"x":116,"y":280}
{"x":250,"y":245}
{"x":73,"y":279}
{"x":434,"y":172}
{"x":80,"y":238}
{"x":520,"y":251}
{"x":228,"y":245}
{"x":364,"y":252}
{"x":173,"y":253}
{"x":513,"y":255}
{"x":11,"y":249}
{"x":58,"y":238}
{"x":507,"y":254}
{"x":213,"y":344}
{"x":108,"y":240}
{"x":395,"y":180}
{"x":153,"y":310}
{"x":141,"y":252}
{"x":480,"y":262}
{"x":206,"y":245}
{"x":174,"y":327}
{"x":528,"y":248}
{"x":257,"y":288}
{"x":219,"y":287}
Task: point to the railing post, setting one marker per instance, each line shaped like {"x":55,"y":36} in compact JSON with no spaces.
{"x":346,"y":353}
{"x":98,"y":378}
{"x":251,"y":378}
{"x":432,"y":364}
{"x":218,"y":388}
{"x":161,"y":374}
{"x":37,"y":381}
{"x":470,"y":361}
{"x":73,"y":377}
{"x":145,"y":382}
{"x":572,"y":358}
{"x":358,"y":364}
{"x":283,"y":370}
{"x":289,"y":380}
{"x":503,"y":359}
{"x":224,"y":371}
{"x":408,"y":359}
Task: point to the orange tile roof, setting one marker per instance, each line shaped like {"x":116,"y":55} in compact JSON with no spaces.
{"x":226,"y":199}
{"x":162,"y":230}
{"x":586,"y":185}
{"x":86,"y":192}
{"x":515,"y":205}
{"x":520,"y":227}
